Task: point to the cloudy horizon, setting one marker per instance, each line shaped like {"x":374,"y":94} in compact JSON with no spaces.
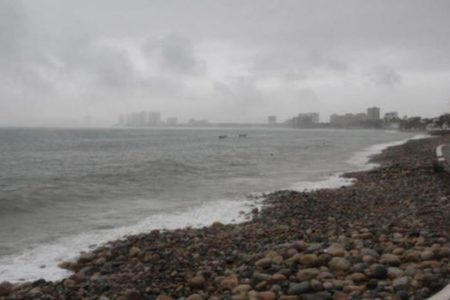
{"x":225,"y":61}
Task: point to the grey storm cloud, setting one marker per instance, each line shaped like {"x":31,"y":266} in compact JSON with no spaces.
{"x":221,"y":60}
{"x":385,"y":75}
{"x":175,"y":54}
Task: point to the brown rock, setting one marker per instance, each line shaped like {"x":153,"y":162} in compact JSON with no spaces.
{"x":443,"y":252}
{"x":134,"y":251}
{"x":316,"y":285}
{"x":268,"y":295}
{"x":369,"y":259}
{"x":229,"y":282}
{"x":390,"y":259}
{"x":263,"y":263}
{"x":307,"y":274}
{"x":134,"y":295}
{"x":300,"y":245}
{"x":194,"y":297}
{"x":336,"y":250}
{"x":398,"y":251}
{"x":86,"y":257}
{"x":427,"y":254}
{"x":277,"y":277}
{"x":100,"y":261}
{"x":394,"y":272}
{"x":197,"y":282}
{"x":365,"y":235}
{"x":324,"y":276}
{"x":339,"y":264}
{"x":288,"y":297}
{"x":359,"y":277}
{"x":429,"y":264}
{"x":35,"y":291}
{"x":309,"y":260}
{"x":411,"y":256}
{"x":400,"y":283}
{"x":242,"y":289}
{"x":368,"y":251}
{"x":290,"y":252}
{"x":328,"y":285}
{"x":78,"y":277}
{"x":164,"y":297}
{"x":67,"y":265}
{"x":341,"y":296}
{"x":69,"y":283}
{"x":275,"y":257}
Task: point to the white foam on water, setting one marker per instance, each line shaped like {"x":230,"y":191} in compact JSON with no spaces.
{"x":360,"y":161}
{"x":42,"y":261}
{"x":331,"y":182}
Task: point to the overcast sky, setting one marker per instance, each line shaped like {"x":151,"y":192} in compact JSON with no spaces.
{"x":221,"y":60}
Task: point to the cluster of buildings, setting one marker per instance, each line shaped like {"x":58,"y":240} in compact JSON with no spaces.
{"x":145,"y":119}
{"x":304,"y":120}
{"x":369,"y":119}
{"x":154,"y":119}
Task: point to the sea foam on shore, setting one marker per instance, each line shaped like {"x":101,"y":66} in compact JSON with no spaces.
{"x":360,"y":161}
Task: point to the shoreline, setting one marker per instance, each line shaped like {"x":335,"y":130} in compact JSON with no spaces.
{"x":42,"y":261}
{"x":276,"y":200}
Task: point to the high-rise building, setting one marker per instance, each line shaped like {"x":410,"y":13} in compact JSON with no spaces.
{"x":172,"y":121}
{"x":347,"y":119}
{"x":373,"y":113}
{"x":391,"y":116}
{"x":153,"y":118}
{"x":272,"y":120}
{"x":122,"y":119}
{"x":305,"y":120}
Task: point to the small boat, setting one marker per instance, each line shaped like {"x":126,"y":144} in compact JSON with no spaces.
{"x":222,"y":137}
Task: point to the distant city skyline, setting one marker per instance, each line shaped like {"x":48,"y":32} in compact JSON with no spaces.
{"x":61,"y":62}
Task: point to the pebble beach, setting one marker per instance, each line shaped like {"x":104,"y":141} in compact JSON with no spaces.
{"x":384,"y":237}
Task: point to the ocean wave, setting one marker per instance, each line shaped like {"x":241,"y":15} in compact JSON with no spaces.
{"x":42,"y":261}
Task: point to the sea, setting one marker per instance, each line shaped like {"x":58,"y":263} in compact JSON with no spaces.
{"x":63,"y":191}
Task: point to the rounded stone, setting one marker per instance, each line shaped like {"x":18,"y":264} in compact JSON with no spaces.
{"x":309,"y":260}
{"x":336,"y":250}
{"x":307,"y":274}
{"x":299,"y":288}
{"x":339,"y":264}
{"x":390,"y":259}
{"x":197,"y":282}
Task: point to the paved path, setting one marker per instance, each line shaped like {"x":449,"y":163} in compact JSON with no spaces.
{"x":446,"y":152}
{"x":443,"y":158}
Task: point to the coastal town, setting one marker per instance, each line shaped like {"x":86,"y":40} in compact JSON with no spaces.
{"x":371,"y":119}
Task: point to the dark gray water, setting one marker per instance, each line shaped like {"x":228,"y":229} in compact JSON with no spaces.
{"x":59,"y":184}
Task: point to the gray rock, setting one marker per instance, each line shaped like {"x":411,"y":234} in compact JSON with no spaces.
{"x":299,"y":288}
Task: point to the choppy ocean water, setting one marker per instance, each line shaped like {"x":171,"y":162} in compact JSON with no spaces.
{"x":62,"y":191}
